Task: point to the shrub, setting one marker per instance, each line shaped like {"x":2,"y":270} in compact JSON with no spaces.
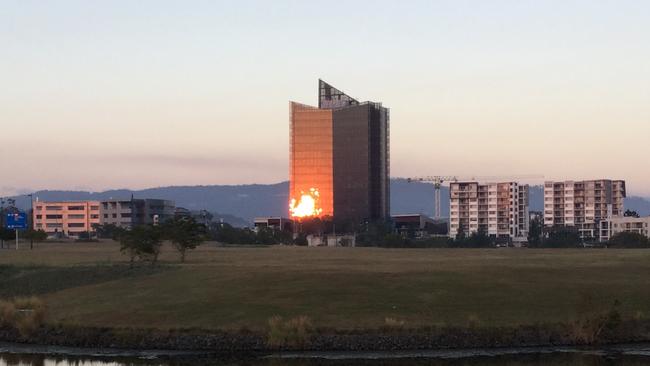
{"x":628,"y":240}
{"x":476,"y":240}
{"x":25,"y":314}
{"x":7,"y":313}
{"x":294,"y":332}
{"x":561,"y":237}
{"x":392,"y":323}
{"x":589,"y":327}
{"x":473,"y":321}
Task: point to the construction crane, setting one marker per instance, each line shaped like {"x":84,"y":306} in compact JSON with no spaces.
{"x":438,"y":180}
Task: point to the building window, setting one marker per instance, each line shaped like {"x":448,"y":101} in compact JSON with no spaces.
{"x":53,"y":208}
{"x":76,"y":208}
{"x":94,"y":208}
{"x":77,"y":216}
{"x":76,"y":224}
{"x":53,"y":217}
{"x":94,"y":216}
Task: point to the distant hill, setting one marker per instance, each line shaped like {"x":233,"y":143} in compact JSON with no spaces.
{"x":239,"y":204}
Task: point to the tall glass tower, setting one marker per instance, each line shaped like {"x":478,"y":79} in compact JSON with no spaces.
{"x":340,"y":150}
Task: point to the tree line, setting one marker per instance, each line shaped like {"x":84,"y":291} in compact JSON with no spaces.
{"x":143,"y":243}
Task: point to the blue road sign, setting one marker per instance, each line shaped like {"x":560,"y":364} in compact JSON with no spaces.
{"x":16,"y":221}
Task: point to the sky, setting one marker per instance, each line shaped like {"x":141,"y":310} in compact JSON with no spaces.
{"x":98,"y":95}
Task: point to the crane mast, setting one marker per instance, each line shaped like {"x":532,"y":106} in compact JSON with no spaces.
{"x":438,"y":180}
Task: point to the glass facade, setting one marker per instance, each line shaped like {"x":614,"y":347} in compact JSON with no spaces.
{"x":311,"y":163}
{"x":342,"y":149}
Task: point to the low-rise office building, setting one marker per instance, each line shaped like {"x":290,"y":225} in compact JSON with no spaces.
{"x":132,"y":212}
{"x":68,"y":218}
{"x":275,"y":223}
{"x":583,"y":204}
{"x":417,"y":224}
{"x":500,"y":210}
{"x":614,"y":225}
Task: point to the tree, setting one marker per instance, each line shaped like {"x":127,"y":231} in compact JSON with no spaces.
{"x":6,"y":235}
{"x":561,"y":237}
{"x":629,"y":213}
{"x":373,"y":233}
{"x":35,"y":235}
{"x":535,"y":231}
{"x":460,"y":233}
{"x":108,"y":231}
{"x":184,"y":233}
{"x":142,"y":242}
{"x":226,"y":233}
{"x":476,"y":240}
{"x":628,"y":240}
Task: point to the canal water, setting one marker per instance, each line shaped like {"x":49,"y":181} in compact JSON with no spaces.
{"x":630,"y":355}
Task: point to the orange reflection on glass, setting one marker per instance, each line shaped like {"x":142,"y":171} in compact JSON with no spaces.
{"x":311,"y":163}
{"x":307,"y":205}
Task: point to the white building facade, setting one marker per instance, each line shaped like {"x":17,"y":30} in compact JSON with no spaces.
{"x":614,"y":225}
{"x":583,"y":204}
{"x":499,"y":210}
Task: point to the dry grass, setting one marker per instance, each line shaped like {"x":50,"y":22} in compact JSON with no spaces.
{"x":343,"y":287}
{"x":25,"y":314}
{"x":392,"y":323}
{"x":292,"y":333}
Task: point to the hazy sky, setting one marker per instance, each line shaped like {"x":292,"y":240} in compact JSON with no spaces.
{"x":115,"y":94}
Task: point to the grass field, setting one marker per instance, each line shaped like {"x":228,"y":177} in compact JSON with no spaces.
{"x":230,"y":288}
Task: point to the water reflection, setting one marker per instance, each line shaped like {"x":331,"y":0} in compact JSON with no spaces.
{"x":549,"y":359}
{"x":45,"y":360}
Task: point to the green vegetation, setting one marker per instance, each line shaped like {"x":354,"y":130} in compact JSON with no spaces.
{"x":345,"y":288}
{"x":628,"y":240}
{"x":108,"y":231}
{"x":142,"y":242}
{"x":535,"y":231}
{"x":184,"y":233}
{"x":35,"y":235}
{"x":29,"y":280}
{"x":228,"y":234}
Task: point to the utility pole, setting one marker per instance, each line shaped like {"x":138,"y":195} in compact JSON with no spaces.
{"x":31,"y":221}
{"x":2,"y":222}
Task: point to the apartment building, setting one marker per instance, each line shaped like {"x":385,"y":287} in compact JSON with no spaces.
{"x":499,"y":210}
{"x":583,"y":204}
{"x":614,"y":225}
{"x":132,"y":212}
{"x":70,"y":218}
